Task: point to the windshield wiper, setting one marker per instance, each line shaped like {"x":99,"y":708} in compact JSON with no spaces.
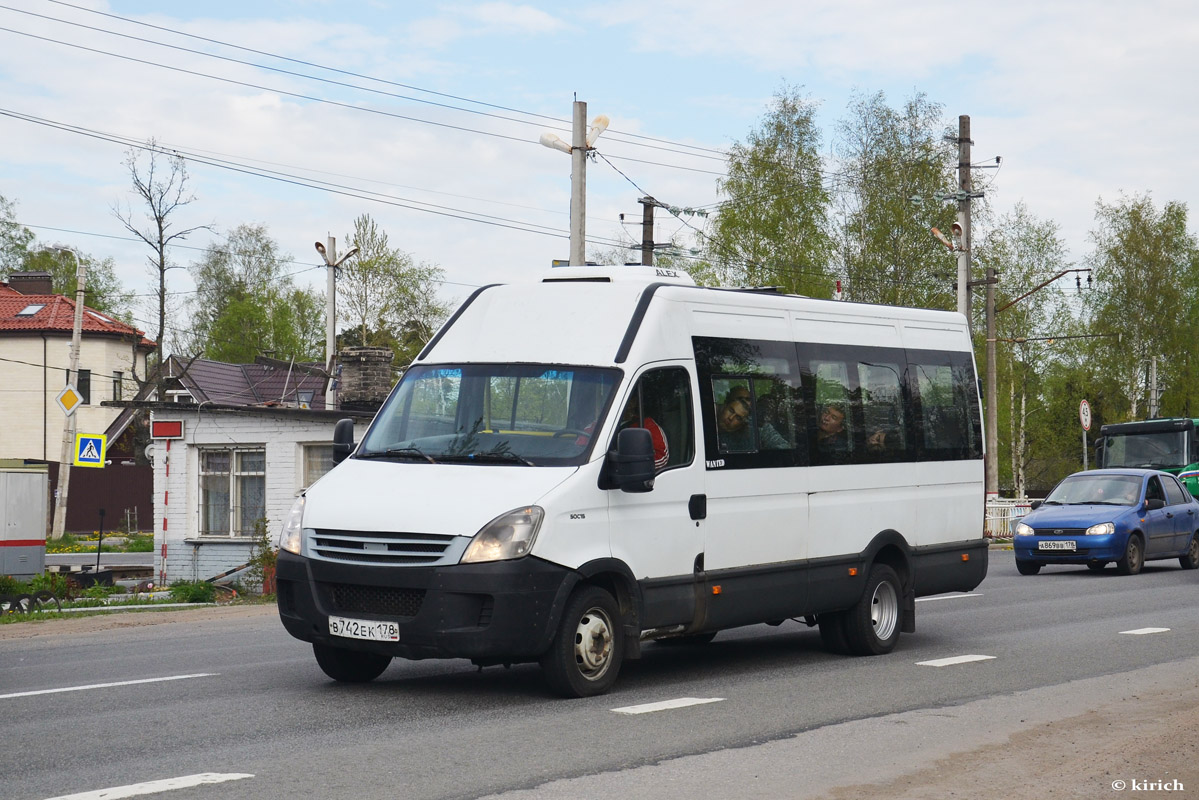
{"x":414,"y":453}
{"x":505,"y":457}
{"x":1053,"y":503}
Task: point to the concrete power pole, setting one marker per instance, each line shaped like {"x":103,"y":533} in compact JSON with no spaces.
{"x":963,"y":221}
{"x":59,"y":525}
{"x":332,"y":262}
{"x":330,"y":255}
{"x":647,"y":230}
{"x":578,"y":185}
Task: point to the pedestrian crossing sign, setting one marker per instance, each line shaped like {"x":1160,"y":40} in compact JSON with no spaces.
{"x":90,"y":449}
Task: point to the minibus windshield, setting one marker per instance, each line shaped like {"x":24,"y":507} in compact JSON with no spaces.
{"x":515,"y":415}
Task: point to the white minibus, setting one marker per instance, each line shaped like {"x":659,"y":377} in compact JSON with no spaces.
{"x":575,"y":466}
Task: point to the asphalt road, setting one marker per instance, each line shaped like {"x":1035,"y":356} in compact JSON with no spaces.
{"x":257,"y":705}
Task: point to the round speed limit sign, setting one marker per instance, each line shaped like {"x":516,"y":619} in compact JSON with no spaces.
{"x":1084,"y":415}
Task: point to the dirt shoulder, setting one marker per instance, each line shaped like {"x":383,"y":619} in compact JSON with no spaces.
{"x":114,"y":620}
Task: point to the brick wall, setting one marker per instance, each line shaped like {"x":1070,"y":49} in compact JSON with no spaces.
{"x":177,"y":495}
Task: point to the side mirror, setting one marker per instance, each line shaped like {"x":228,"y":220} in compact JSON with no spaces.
{"x":343,"y":440}
{"x":631,"y":465}
{"x":1154,"y":504}
{"x":1034,"y":505}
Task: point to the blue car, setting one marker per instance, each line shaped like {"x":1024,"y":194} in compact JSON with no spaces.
{"x":1128,"y":516}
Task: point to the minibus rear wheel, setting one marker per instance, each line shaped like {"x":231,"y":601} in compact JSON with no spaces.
{"x":872,"y":626}
{"x":349,"y":666}
{"x":584,"y":658}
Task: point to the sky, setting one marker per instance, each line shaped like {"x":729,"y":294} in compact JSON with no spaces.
{"x":427,"y":115}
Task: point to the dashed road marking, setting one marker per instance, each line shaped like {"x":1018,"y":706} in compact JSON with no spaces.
{"x":665,"y":705}
{"x":107,"y":685}
{"x":949,"y":662}
{"x":948,"y":596}
{"x":1143,"y":631}
{"x":153,"y":787}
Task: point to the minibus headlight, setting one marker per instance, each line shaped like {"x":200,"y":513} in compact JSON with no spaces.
{"x":289,"y":537}
{"x":1102,"y":529}
{"x":1024,"y":530}
{"x":507,"y":536}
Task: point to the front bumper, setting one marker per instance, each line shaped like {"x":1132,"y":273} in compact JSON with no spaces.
{"x":504,"y":611}
{"x":1110,"y":547}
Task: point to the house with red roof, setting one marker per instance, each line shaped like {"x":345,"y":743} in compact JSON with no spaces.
{"x":36,"y":329}
{"x":35,"y":356}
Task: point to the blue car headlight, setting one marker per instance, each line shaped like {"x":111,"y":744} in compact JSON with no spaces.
{"x":1102,"y":529}
{"x":1024,"y":530}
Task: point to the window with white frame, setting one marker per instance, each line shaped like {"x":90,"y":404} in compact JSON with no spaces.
{"x":232,"y":491}
{"x":318,"y":459}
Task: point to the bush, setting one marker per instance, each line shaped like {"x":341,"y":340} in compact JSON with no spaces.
{"x":193,"y":592}
{"x":53,"y":582}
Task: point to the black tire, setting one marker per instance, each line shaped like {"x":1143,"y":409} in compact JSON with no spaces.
{"x":872,"y":626}
{"x":1096,"y":566}
{"x":21,"y":603}
{"x":46,"y":601}
{"x":349,"y":666}
{"x":1027,"y":567}
{"x":1134,"y":557}
{"x":689,"y":639}
{"x":832,"y":633}
{"x":1190,"y":559}
{"x":584,"y":658}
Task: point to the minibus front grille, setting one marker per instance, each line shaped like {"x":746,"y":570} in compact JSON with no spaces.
{"x":384,"y":601}
{"x":386,"y":548}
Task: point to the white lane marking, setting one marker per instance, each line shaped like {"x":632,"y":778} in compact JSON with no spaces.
{"x":949,"y":662}
{"x":1143,"y":631}
{"x":153,"y":787}
{"x":948,"y":596}
{"x":681,"y":702}
{"x":107,"y":685}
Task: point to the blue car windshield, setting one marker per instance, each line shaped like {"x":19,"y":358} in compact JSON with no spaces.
{"x":497,"y":414}
{"x":1119,"y":490}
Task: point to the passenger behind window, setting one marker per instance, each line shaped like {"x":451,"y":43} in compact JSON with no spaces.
{"x":734,"y":432}
{"x":631,"y":417}
{"x":832,"y":440}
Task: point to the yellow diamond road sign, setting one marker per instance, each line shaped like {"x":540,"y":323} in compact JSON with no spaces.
{"x":90,"y":449}
{"x":69,"y":399}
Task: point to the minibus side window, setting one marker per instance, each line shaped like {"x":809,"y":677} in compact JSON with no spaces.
{"x":883,"y":414}
{"x":752,"y":406}
{"x":948,"y":424}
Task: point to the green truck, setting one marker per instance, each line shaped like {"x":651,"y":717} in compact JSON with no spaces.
{"x":1171,"y":445}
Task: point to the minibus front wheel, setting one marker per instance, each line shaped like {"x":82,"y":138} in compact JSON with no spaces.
{"x":584,"y":658}
{"x":349,"y":666}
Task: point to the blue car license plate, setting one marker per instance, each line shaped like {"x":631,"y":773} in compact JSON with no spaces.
{"x":1057,"y":545}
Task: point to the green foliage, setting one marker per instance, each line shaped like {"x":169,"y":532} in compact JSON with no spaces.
{"x":1146,"y":269}
{"x":53,"y":582}
{"x":15,"y":239}
{"x":192,"y":592}
{"x":772,"y":229}
{"x":246,"y":304}
{"x":262,"y":562}
{"x":386,"y":294}
{"x":98,"y":591}
{"x":10,"y":585}
{"x":140,"y":544}
{"x":887,"y":157}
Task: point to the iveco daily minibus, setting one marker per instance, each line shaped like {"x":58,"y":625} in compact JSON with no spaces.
{"x":611,"y":455}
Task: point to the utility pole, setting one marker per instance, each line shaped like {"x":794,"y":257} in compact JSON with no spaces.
{"x":578,"y":185}
{"x":68,"y":429}
{"x":1153,"y":395}
{"x":647,"y":230}
{"x":963,"y":220}
{"x":991,"y":470}
{"x":332,"y":262}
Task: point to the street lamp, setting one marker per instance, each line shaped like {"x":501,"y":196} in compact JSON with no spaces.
{"x":582,"y":140}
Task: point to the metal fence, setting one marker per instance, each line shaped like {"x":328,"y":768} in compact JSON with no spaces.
{"x":1001,"y":516}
